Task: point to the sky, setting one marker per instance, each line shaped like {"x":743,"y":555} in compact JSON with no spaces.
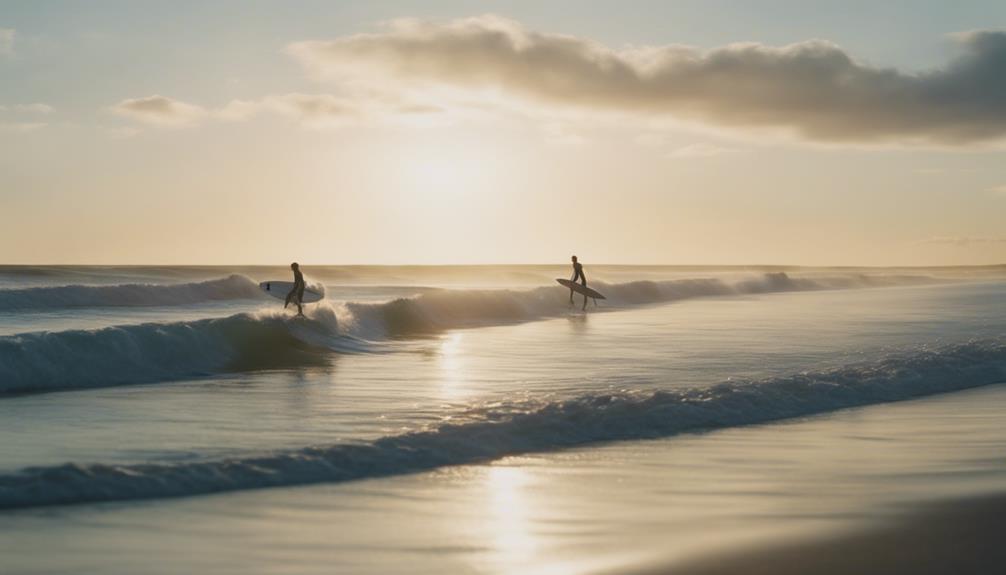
{"x":436,"y":132}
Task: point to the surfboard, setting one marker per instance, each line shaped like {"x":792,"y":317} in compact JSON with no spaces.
{"x":581,"y":289}
{"x":279,"y":290}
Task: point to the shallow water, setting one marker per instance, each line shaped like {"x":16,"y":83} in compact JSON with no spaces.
{"x":484,"y":392}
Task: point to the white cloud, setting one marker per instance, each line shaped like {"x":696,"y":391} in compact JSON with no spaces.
{"x":160,"y":111}
{"x":813,"y":89}
{"x":7,"y":36}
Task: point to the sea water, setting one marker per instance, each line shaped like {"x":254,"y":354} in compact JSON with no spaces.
{"x":470,"y":419}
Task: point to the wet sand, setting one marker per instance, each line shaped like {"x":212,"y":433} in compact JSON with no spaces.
{"x":959,"y":537}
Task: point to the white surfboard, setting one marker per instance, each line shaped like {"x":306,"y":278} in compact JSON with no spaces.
{"x":279,"y":289}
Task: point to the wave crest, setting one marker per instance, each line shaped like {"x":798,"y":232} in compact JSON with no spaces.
{"x":150,"y":352}
{"x":501,"y":429}
{"x":56,"y":297}
{"x":446,"y":309}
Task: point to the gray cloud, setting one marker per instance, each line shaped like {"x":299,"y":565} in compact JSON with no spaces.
{"x":310,"y":110}
{"x":813,"y":88}
{"x":159,"y":110}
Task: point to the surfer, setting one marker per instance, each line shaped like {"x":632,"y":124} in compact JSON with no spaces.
{"x":578,"y":275}
{"x":296,"y":294}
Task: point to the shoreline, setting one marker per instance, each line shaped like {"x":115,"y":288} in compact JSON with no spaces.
{"x":960,"y":536}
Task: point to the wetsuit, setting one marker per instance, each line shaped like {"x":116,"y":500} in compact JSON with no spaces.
{"x":298,"y":285}
{"x":578,"y":274}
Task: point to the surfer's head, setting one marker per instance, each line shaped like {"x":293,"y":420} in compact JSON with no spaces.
{"x":574,"y":259}
{"x":295,"y":266}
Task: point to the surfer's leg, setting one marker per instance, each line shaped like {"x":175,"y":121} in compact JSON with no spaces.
{"x":584,"y":302}
{"x":570,"y":296}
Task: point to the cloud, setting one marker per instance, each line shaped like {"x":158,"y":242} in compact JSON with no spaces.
{"x":965,"y":241}
{"x":1000,"y":190}
{"x":812,"y":89}
{"x":311,"y":110}
{"x":314,"y":110}
{"x":7,"y":36}
{"x":160,"y":111}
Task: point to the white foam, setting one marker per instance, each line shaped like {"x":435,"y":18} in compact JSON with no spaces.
{"x":531,"y":425}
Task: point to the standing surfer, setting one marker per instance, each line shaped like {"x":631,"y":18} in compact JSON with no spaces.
{"x":578,"y":275}
{"x":296,"y":294}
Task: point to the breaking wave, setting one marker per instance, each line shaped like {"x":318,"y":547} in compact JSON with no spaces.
{"x":445,"y":309}
{"x":54,"y":297}
{"x":497,"y":430}
{"x":149,"y":352}
{"x":145,"y":353}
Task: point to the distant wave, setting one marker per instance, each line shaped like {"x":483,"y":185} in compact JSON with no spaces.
{"x":502,"y":429}
{"x":54,"y":297}
{"x":143,"y":353}
{"x":445,"y":309}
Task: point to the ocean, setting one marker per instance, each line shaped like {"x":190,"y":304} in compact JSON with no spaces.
{"x":467,"y":419}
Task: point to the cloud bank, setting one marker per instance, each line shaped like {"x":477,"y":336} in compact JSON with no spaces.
{"x":813,"y":89}
{"x":309,"y":110}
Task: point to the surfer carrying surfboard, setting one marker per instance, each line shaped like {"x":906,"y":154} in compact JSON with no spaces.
{"x":578,"y":275}
{"x":580,"y":288}
{"x":296,"y":294}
